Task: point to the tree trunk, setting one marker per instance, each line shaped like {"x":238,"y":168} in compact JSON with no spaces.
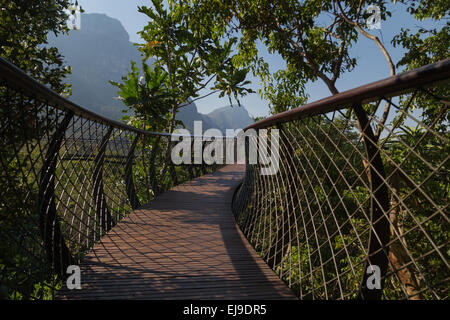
{"x":397,"y":252}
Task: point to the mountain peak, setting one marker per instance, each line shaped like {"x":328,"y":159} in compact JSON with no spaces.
{"x":102,"y":25}
{"x":228,"y":117}
{"x":231,"y":117}
{"x":100,"y":51}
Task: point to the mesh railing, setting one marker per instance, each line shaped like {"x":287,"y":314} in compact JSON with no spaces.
{"x":359,"y":205}
{"x":67,"y":177}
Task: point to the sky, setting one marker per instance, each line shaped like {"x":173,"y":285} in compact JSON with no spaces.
{"x":371,"y":66}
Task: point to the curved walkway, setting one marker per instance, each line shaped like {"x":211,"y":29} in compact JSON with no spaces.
{"x":184,"y":244}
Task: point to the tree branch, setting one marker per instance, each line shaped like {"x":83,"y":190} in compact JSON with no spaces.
{"x":386,"y":55}
{"x":198,"y":98}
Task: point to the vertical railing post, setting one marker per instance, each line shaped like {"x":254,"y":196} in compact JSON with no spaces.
{"x":131,"y":190}
{"x":247,"y":187}
{"x":57,"y":252}
{"x":202,"y":165}
{"x":191,"y":172}
{"x":152,"y":167}
{"x":191,"y":166}
{"x":380,"y":233}
{"x":101,"y":207}
{"x":172,"y":171}
{"x":278,"y":249}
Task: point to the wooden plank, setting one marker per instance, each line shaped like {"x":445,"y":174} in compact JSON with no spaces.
{"x":184,"y":244}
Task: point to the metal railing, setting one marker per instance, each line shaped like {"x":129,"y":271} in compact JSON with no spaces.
{"x":67,"y":177}
{"x":352,"y":190}
{"x":359,"y":205}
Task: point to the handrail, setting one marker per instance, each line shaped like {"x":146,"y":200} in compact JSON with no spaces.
{"x":388,"y":87}
{"x":349,"y":212}
{"x":68,"y":175}
{"x":27,"y":84}
{"x":30,"y":86}
{"x":341,"y":203}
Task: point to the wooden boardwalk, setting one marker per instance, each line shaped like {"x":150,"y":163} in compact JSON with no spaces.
{"x":183,"y":245}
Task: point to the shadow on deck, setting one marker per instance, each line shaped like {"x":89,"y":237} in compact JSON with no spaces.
{"x":183,"y":245}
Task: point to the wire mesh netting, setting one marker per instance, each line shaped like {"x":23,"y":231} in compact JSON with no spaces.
{"x":355,"y":191}
{"x":358,"y":192}
{"x":66,"y":179}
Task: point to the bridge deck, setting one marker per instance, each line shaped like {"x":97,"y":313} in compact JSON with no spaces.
{"x":183,"y":245}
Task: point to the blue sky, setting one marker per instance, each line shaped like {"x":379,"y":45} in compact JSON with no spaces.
{"x":371,"y":66}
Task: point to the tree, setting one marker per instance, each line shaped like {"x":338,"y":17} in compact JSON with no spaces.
{"x":314,"y":38}
{"x":188,"y":57}
{"x":24,"y":26}
{"x":181,"y":59}
{"x":422,"y":47}
{"x":427,"y":45}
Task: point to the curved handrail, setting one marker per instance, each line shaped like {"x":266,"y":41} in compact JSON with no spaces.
{"x":388,"y":87}
{"x":68,"y":175}
{"x":27,"y":84}
{"x":30,"y":86}
{"x":347,"y":211}
{"x":341,"y":203}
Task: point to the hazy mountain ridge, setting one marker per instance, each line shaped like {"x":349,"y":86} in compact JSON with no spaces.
{"x":101,"y":51}
{"x":229,"y":117}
